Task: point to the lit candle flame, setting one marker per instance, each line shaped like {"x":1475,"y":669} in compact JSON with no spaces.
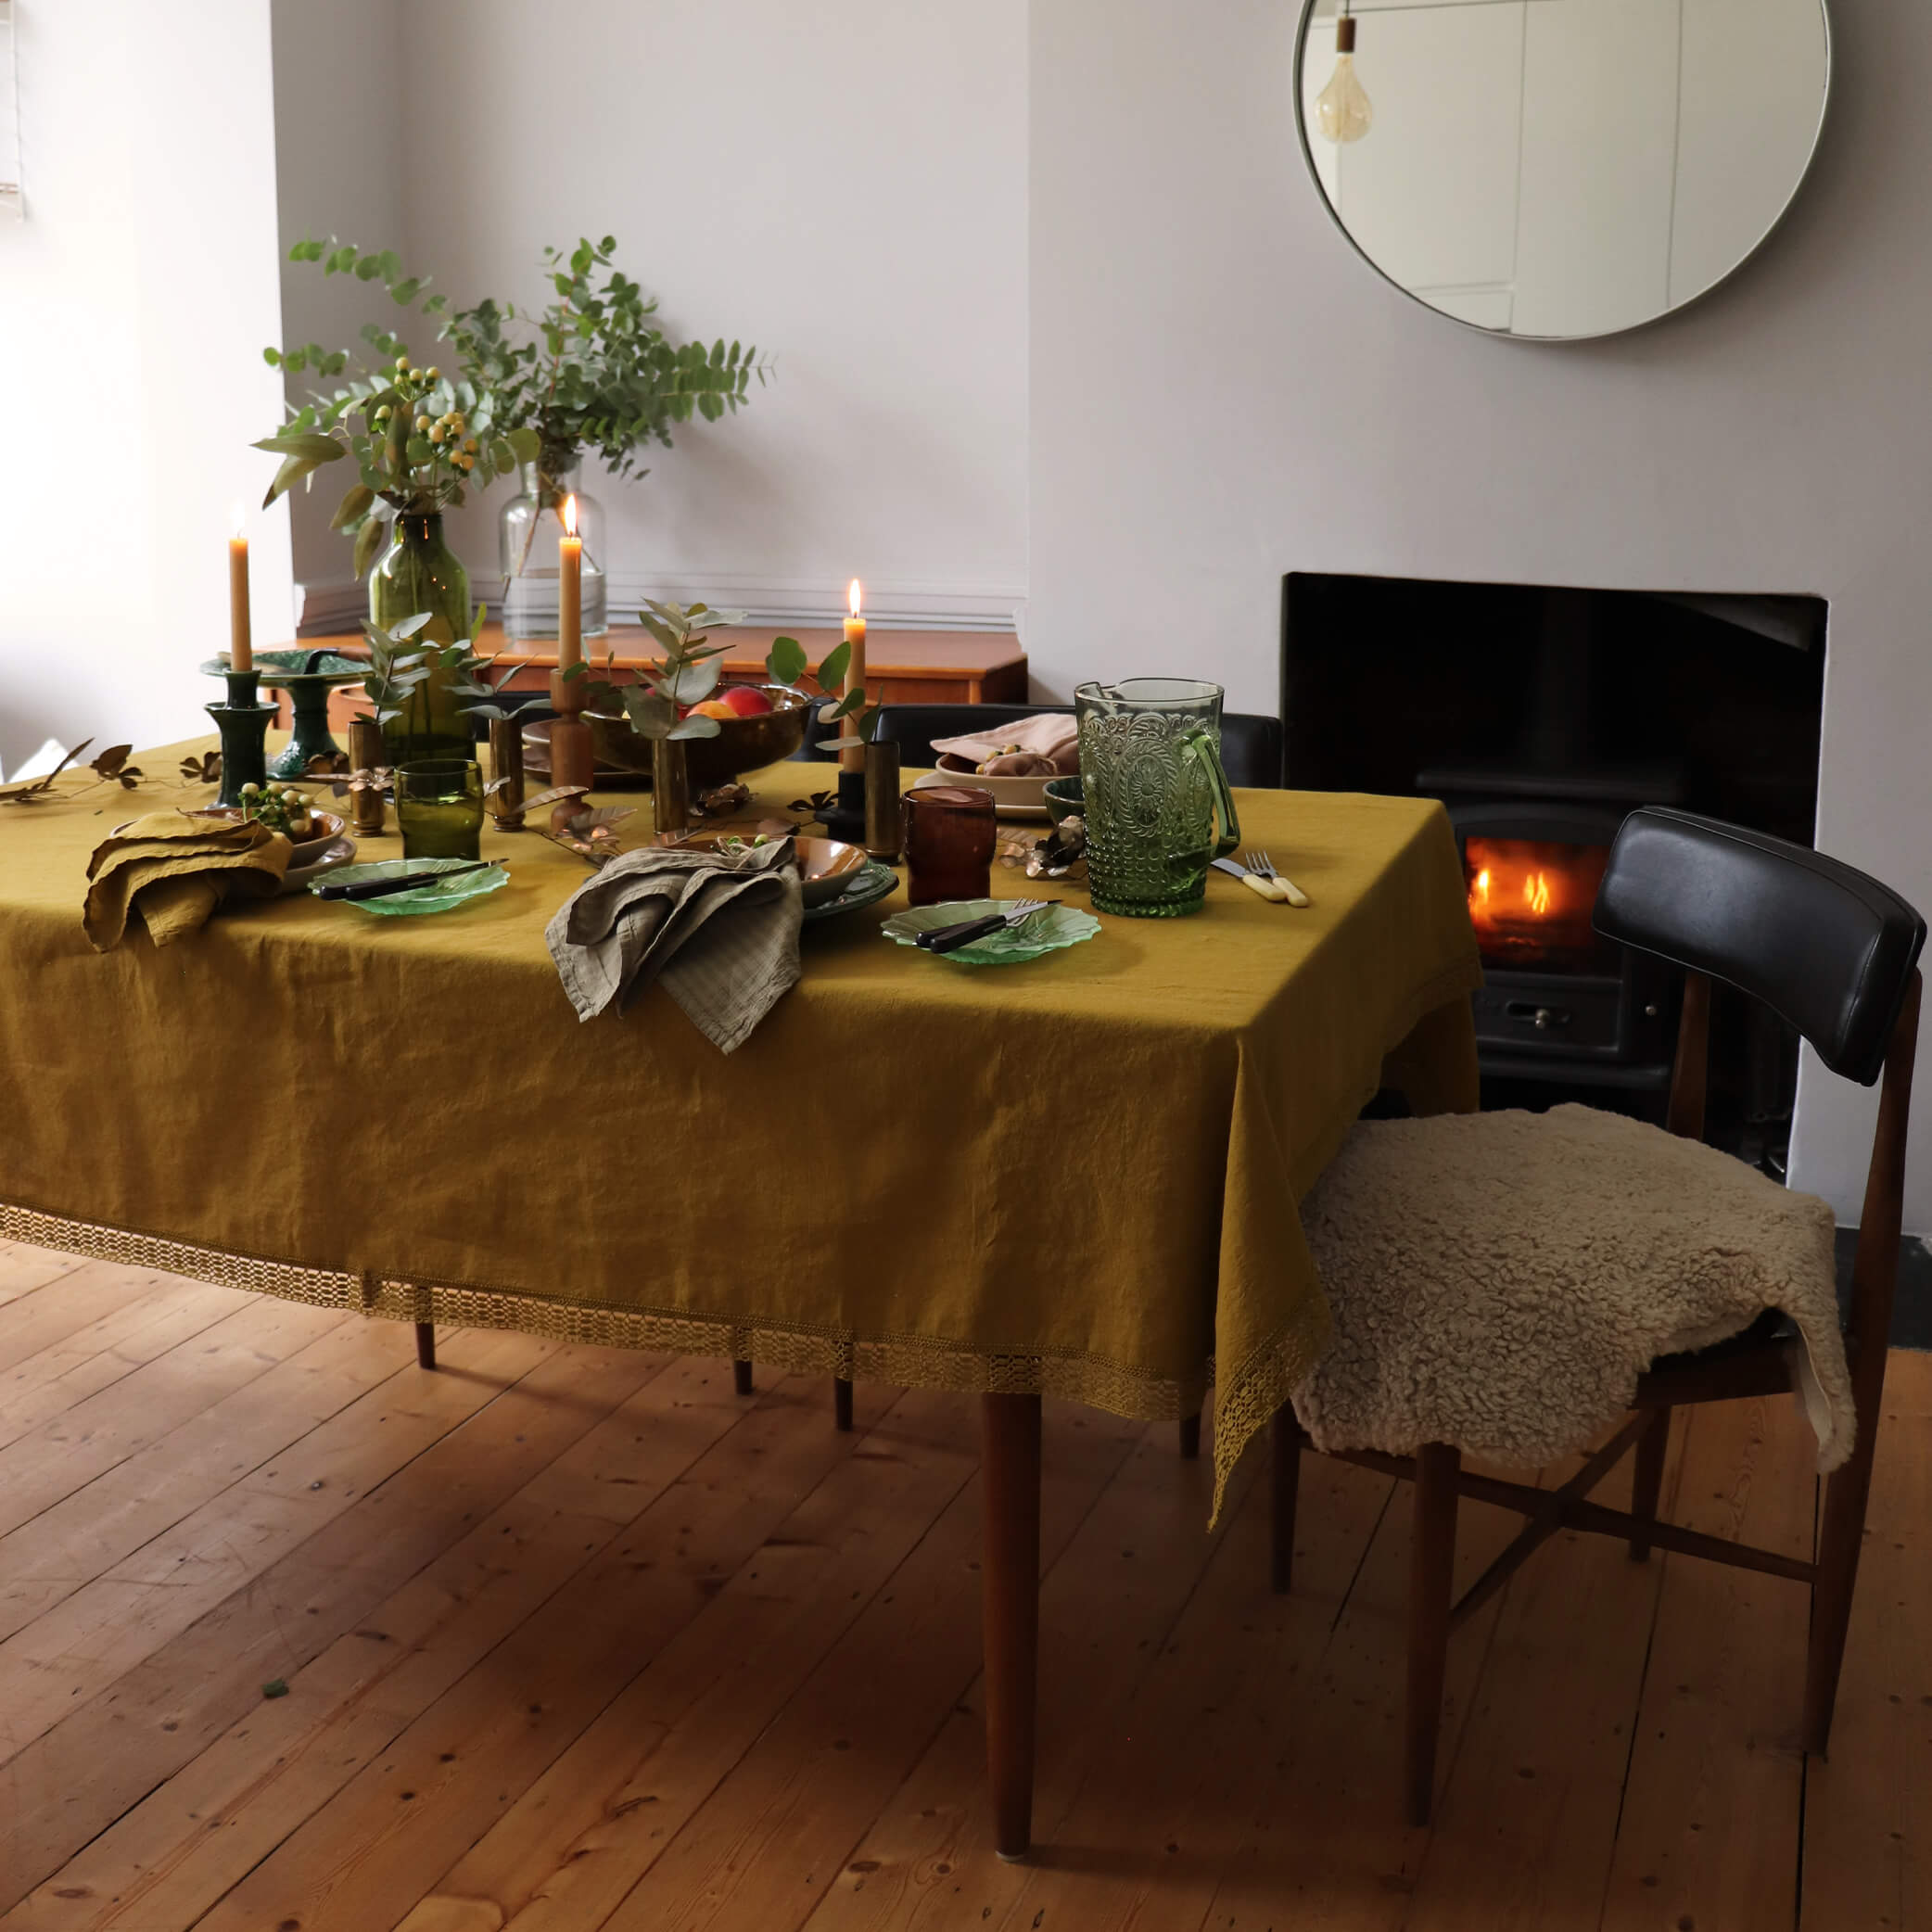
{"x":237,"y":528}
{"x":855,"y":597}
{"x":570,"y":516}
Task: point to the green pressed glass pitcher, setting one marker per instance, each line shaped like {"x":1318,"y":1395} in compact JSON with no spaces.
{"x":1150,"y":774}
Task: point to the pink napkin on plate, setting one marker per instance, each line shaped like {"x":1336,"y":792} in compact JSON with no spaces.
{"x":1041,"y":746}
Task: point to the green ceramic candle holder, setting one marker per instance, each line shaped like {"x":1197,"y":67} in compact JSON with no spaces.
{"x":243,"y":722}
{"x":308,"y":677}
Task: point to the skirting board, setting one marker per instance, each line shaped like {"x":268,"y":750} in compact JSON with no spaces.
{"x":328,"y":608}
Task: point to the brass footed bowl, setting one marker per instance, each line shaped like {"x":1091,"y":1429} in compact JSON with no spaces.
{"x":742,"y":745}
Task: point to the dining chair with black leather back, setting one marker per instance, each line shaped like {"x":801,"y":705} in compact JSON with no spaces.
{"x":1833,"y":953}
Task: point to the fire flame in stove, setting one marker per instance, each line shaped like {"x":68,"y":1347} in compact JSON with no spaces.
{"x":1537,"y":898}
{"x":1526,"y":893}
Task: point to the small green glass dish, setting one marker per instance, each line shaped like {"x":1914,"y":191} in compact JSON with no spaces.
{"x":438,"y":896}
{"x":872,"y":883}
{"x":1046,"y":932}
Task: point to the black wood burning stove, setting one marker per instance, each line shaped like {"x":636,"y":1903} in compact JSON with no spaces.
{"x":1541,"y":716}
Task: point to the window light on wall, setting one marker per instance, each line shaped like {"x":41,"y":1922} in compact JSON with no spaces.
{"x":11,"y":200}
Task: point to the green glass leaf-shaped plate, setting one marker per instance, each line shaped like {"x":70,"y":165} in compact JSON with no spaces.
{"x":438,"y":896}
{"x":1043,"y":932}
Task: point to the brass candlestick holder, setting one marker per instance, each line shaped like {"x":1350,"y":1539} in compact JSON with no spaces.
{"x":365,"y":754}
{"x":881,"y":800}
{"x":507,"y":787}
{"x":243,"y":722}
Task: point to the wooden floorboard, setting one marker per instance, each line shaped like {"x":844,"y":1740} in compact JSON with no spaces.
{"x":575,"y":1639}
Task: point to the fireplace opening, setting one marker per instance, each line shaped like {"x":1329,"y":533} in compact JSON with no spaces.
{"x":1530,"y":899}
{"x":1541,"y":716}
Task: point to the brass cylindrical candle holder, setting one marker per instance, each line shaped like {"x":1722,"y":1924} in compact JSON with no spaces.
{"x":506,"y":773}
{"x":670,"y":786}
{"x":365,"y":754}
{"x":881,"y":800}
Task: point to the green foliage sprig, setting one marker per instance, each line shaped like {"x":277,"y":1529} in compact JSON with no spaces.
{"x":853,"y":704}
{"x":689,"y":671}
{"x":686,"y":675}
{"x":592,"y":370}
{"x":418,"y":438}
{"x":400,"y":667}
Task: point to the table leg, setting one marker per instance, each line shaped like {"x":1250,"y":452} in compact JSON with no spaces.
{"x":842,"y":1403}
{"x":741,"y":1376}
{"x":1009,"y":1577}
{"x":426,"y":1344}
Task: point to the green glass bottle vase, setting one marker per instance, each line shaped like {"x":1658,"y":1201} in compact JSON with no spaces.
{"x":420,"y":572}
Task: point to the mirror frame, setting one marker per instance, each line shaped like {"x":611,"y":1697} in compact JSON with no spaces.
{"x":1476,"y":328}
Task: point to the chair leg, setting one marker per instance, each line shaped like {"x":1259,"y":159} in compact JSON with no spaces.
{"x":426,"y":1344}
{"x":1647,"y":1479}
{"x":741,"y":1376}
{"x":1431,"y":1575}
{"x":841,"y":1403}
{"x":1839,"y":1541}
{"x":1190,"y":1437}
{"x":1285,"y":1479}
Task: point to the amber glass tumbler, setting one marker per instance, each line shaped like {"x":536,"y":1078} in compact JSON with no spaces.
{"x":948,"y":836}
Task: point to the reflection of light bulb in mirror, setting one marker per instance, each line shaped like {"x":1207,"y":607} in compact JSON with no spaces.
{"x":1342,"y":108}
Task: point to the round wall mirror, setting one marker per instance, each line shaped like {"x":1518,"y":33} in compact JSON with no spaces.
{"x":1555,"y":169}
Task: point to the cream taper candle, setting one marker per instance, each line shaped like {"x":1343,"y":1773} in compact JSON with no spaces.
{"x":854,"y":760}
{"x":241,"y":644}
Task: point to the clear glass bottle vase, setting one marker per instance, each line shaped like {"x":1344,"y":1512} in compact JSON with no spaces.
{"x":528,"y":529}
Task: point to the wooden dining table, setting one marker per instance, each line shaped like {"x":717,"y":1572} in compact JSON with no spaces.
{"x":1079,"y":1177}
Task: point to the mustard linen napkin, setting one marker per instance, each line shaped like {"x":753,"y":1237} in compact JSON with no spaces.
{"x":720,"y":930}
{"x":174,"y":870}
{"x":1045,"y":745}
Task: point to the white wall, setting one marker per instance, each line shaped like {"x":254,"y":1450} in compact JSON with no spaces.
{"x":845,"y":186}
{"x":135,"y":301}
{"x":339,"y":88}
{"x":1773,"y":438}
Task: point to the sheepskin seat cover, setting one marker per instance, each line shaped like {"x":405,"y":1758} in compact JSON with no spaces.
{"x":1499,"y":1281}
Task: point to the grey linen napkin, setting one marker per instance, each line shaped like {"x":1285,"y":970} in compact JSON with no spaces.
{"x":719,"y":929}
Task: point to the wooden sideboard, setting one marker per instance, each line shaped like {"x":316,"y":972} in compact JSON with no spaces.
{"x":902,"y":666}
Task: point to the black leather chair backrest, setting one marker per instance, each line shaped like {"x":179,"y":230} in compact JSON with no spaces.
{"x":1827,"y":949}
{"x":1250,"y":745}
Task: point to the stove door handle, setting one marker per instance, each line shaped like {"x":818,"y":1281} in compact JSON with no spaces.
{"x":1541,"y":1017}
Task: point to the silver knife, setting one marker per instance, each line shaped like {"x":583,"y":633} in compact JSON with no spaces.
{"x":1252,"y":881}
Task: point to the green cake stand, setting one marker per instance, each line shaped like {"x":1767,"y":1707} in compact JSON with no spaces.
{"x":308,"y":677}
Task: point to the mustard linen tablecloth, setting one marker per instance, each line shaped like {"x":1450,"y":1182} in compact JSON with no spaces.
{"x":1077,"y":1177}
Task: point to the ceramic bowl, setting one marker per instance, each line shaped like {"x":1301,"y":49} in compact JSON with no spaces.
{"x":1065,"y":799}
{"x":741,"y":743}
{"x":307,"y":851}
{"x":826,"y":867}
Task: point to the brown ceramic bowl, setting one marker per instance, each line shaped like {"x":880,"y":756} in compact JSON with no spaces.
{"x":825,"y":866}
{"x":741,"y":743}
{"x":307,"y":850}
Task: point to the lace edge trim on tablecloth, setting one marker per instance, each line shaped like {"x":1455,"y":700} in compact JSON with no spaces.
{"x":1242,"y":1409}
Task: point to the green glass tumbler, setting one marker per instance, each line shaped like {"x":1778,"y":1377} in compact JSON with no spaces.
{"x":1150,"y":775}
{"x":439,"y":809}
